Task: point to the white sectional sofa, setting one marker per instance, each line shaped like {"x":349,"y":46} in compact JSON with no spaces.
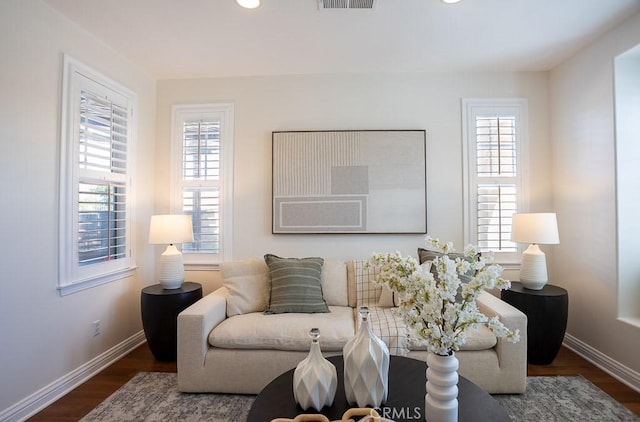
{"x":227,"y":344}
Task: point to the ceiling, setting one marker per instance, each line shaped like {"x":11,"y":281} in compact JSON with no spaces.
{"x":173,"y":39}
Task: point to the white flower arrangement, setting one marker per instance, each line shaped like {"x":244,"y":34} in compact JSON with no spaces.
{"x":438,"y":310}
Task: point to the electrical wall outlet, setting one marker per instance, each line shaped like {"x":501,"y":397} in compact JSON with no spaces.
{"x":96,"y":328}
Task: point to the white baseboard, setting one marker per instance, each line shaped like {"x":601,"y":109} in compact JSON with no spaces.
{"x":614,"y":368}
{"x":52,"y":392}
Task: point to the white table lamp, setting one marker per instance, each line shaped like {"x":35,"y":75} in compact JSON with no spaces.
{"x":167,"y":230}
{"x":535,"y":229}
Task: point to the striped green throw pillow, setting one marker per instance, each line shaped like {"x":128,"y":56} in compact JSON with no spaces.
{"x":295,"y":285}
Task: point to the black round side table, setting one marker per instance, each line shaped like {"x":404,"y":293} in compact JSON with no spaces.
{"x":160,"y":308}
{"x":547,"y":311}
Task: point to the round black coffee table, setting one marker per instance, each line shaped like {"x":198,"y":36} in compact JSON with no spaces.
{"x":405,"y":401}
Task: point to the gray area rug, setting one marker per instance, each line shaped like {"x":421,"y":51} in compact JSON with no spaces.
{"x":154,"y":396}
{"x":560,"y":399}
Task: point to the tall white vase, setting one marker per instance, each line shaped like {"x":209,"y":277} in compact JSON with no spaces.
{"x":441,"y":401}
{"x":366,"y":366}
{"x":315,"y":379}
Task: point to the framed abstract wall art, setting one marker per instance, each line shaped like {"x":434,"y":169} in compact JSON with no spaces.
{"x":358,"y":181}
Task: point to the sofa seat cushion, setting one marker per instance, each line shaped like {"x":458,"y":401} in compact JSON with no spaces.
{"x":285,"y":331}
{"x":480,"y":339}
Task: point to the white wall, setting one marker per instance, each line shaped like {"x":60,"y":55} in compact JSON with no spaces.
{"x":582,"y":127}
{"x":45,"y":337}
{"x":352,"y":101}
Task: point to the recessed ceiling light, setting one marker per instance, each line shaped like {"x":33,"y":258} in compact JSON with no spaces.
{"x":248,"y":4}
{"x":450,"y":1}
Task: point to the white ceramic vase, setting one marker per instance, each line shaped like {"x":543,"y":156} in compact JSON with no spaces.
{"x":366,"y":366}
{"x":441,"y":400}
{"x":315,"y":379}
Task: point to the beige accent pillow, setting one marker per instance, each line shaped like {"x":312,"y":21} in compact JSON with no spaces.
{"x":334,"y":283}
{"x":367,"y":289}
{"x":351,"y":284}
{"x":387,"y":298}
{"x":248,"y":285}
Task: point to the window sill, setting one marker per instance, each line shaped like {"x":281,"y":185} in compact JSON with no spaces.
{"x":633,"y":321}
{"x":509,"y":265}
{"x":201,"y":267}
{"x":81,"y":285}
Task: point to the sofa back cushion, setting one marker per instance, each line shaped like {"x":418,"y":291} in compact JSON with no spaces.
{"x":248,"y":284}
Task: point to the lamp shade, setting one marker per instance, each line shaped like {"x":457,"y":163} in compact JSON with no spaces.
{"x":168,"y":229}
{"x":538,"y":228}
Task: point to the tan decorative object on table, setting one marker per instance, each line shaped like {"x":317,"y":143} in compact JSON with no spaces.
{"x":369,"y":415}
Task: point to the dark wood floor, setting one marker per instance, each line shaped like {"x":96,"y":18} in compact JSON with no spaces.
{"x":80,"y":401}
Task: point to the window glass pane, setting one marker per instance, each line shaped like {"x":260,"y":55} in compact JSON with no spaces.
{"x":496,"y":205}
{"x":201,"y":150}
{"x":203,"y":204}
{"x":103,"y":134}
{"x":496,"y":146}
{"x":101,"y":222}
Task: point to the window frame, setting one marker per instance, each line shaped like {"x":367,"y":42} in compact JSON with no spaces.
{"x":73,"y":277}
{"x":225,"y":113}
{"x":472,"y":107}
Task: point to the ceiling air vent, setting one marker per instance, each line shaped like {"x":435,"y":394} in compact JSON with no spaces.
{"x":347,"y":4}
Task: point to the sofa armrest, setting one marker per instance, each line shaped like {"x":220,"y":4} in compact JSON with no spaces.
{"x":194,"y":325}
{"x":512,"y":357}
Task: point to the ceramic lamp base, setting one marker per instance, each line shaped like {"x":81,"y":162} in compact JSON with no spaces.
{"x":171,"y":268}
{"x":533,"y":270}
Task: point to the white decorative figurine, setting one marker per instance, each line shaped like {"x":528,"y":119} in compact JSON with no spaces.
{"x":366,"y":366}
{"x":315,"y":379}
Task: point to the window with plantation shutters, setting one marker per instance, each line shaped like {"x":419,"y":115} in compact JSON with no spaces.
{"x":202,"y":178}
{"x":495,"y":145}
{"x":95,"y":179}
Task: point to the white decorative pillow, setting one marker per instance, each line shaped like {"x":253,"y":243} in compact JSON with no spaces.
{"x":248,"y":285}
{"x":334,"y":283}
